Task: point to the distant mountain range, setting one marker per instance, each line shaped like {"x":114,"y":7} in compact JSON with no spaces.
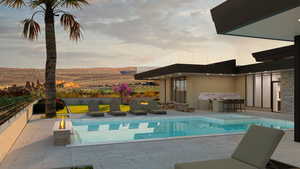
{"x":85,"y":77}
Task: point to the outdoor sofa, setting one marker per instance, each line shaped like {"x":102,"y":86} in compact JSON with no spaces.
{"x":253,"y":152}
{"x":94,"y":110}
{"x":115,"y":110}
{"x":154,"y":108}
{"x":183,"y":107}
{"x":137,"y":108}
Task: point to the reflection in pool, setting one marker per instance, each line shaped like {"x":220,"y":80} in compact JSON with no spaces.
{"x":89,"y":131}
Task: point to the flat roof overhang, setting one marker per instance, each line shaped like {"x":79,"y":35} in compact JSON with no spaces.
{"x":275,"y":54}
{"x":226,"y":67}
{"x":179,"y":70}
{"x":183,"y":74}
{"x":278,"y":65}
{"x":267,"y":19}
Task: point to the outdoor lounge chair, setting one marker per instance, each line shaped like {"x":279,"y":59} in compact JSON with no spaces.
{"x":114,"y":110}
{"x":253,"y":152}
{"x":136,"y":108}
{"x":154,"y":108}
{"x":94,"y":110}
{"x":183,"y":107}
{"x":68,"y":109}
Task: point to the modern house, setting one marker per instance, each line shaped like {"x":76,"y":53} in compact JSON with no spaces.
{"x":261,"y":85}
{"x":268,"y":19}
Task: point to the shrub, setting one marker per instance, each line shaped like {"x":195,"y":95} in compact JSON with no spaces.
{"x":14,"y":100}
{"x":39,"y":107}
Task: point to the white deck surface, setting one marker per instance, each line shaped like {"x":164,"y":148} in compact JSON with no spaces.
{"x":34,"y":149}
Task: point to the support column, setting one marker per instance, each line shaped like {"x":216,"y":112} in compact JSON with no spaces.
{"x":297,"y":89}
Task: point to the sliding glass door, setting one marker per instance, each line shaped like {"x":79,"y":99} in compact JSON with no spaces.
{"x":266,"y":91}
{"x":179,"y":90}
{"x":249,"y":90}
{"x":259,"y":90}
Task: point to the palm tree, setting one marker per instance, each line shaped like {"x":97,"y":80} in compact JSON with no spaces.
{"x":50,"y":9}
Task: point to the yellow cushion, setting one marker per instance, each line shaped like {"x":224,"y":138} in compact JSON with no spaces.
{"x":79,"y":108}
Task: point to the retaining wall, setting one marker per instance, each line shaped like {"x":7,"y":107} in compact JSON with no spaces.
{"x":10,"y":130}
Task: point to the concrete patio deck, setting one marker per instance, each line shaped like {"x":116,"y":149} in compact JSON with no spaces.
{"x":34,"y":149}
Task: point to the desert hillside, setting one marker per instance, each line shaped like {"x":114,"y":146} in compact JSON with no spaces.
{"x":85,"y":77}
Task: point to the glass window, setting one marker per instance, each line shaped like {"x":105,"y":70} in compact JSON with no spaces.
{"x":266,"y":91}
{"x":257,"y":92}
{"x":250,"y":90}
{"x":179,"y":90}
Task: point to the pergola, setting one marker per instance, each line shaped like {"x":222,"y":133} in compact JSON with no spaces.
{"x":266,"y":19}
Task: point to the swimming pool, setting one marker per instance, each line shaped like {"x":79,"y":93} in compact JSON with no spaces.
{"x":105,"y":131}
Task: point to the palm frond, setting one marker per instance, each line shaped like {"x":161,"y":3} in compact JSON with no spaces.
{"x":13,"y":3}
{"x":74,"y":3}
{"x":67,"y":21}
{"x":75,"y":32}
{"x":36,"y":3}
{"x":72,"y":26}
{"x":31,"y":29}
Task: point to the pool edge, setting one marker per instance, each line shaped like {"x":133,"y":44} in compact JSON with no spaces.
{"x":162,"y":139}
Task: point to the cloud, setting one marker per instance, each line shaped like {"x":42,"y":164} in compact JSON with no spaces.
{"x":131,"y":33}
{"x":146,"y":22}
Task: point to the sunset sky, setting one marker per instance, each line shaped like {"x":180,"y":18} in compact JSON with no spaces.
{"x":119,"y":33}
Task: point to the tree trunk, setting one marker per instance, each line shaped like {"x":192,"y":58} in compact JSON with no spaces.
{"x":50,"y":76}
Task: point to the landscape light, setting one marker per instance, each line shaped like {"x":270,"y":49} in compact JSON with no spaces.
{"x":62,"y":124}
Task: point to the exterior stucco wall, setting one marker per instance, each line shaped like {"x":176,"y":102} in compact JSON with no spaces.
{"x":199,"y":84}
{"x":168,"y":92}
{"x":10,"y":130}
{"x":240,"y":83}
{"x":287,"y":92}
{"x":162,"y":91}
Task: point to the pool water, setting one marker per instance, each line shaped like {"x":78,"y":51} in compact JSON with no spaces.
{"x":90,"y":131}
